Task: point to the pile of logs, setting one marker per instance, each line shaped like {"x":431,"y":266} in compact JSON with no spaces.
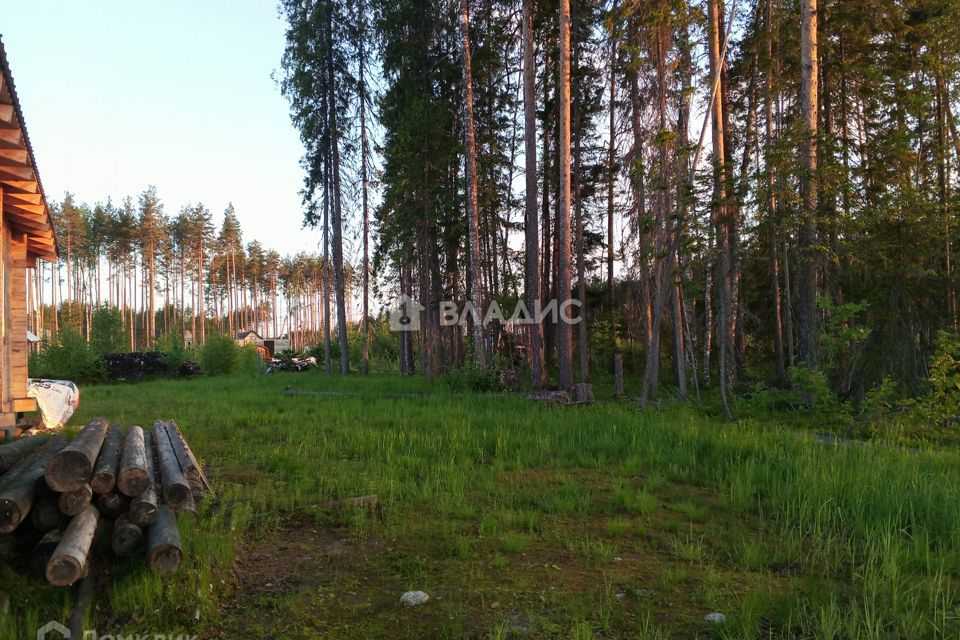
{"x":139,"y":480}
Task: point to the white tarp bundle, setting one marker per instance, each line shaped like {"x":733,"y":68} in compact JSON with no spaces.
{"x":56,"y":399}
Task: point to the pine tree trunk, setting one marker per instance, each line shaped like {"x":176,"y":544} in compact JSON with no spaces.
{"x":772,"y":214}
{"x":564,"y":329}
{"x":720,"y":213}
{"x":807,"y":320}
{"x":611,"y":163}
{"x":472,"y":202}
{"x":365,"y":358}
{"x":339,"y":284}
{"x":531,"y":213}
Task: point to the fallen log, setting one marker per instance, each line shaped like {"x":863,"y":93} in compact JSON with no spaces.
{"x":188,"y":461}
{"x":73,"y":502}
{"x":69,"y":561}
{"x":173,"y":484}
{"x":132,"y":477}
{"x":112,"y":504}
{"x":189,"y":507}
{"x":17,"y":494}
{"x":143,"y":508}
{"x":85,"y":593}
{"x":108,"y":462}
{"x":164,"y":554}
{"x":126,"y":536}
{"x":11,"y":454}
{"x":72,"y":467}
{"x":46,"y":514}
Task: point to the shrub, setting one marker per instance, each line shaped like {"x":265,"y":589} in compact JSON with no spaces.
{"x":941,"y":407}
{"x":248,"y":359}
{"x":219,"y":355}
{"x":107,"y":333}
{"x":174,"y":351}
{"x":470,"y":377}
{"x":67,"y":356}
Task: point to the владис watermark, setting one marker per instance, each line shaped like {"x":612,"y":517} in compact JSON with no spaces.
{"x":404,"y":314}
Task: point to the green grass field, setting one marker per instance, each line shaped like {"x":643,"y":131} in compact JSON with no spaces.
{"x":522,"y":520}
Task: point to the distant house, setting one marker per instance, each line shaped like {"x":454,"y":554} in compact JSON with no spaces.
{"x":26,"y":236}
{"x":276,"y":345}
{"x":187,"y":338}
{"x":248,"y":337}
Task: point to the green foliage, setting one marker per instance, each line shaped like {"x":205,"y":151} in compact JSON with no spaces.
{"x":219,"y":354}
{"x":175,"y":353}
{"x":842,"y":339}
{"x":248,"y":360}
{"x":940,"y":408}
{"x":107,"y":331}
{"x":68,"y":356}
{"x":470,"y":377}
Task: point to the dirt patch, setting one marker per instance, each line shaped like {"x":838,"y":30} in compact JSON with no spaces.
{"x":302,"y":554}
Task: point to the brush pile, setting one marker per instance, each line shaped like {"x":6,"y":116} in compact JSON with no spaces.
{"x":135,"y":365}
{"x":139,"y":480}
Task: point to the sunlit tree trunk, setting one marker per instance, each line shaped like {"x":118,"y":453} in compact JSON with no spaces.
{"x":472,"y":202}
{"x":531,"y":231}
{"x":807,"y":321}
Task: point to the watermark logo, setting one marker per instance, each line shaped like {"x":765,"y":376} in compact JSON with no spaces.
{"x":405,"y":314}
{"x":53,"y":630}
{"x":46,"y":631}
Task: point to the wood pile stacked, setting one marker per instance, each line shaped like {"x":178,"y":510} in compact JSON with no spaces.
{"x":139,"y":481}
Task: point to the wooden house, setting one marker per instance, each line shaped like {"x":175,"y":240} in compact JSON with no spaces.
{"x":26,"y":236}
{"x":248,"y":337}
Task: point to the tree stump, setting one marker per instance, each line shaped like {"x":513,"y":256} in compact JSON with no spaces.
{"x":583,"y":393}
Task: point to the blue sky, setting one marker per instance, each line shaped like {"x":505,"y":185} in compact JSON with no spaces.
{"x":119,"y":95}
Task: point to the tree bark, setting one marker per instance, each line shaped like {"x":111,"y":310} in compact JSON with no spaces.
{"x":720,"y":213}
{"x":143,"y":508}
{"x":164,"y":553}
{"x":807,"y":320}
{"x":105,"y":470}
{"x":531,"y":227}
{"x":564,"y":329}
{"x":71,"y":503}
{"x":72,"y":467}
{"x":174,"y":486}
{"x":69,"y":561}
{"x":772,"y":215}
{"x":132,"y":479}
{"x":472,"y":201}
{"x":126,"y":536}
{"x":338,"y":274}
{"x":13,"y":453}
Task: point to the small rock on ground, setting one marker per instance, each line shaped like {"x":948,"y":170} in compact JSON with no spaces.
{"x":414,"y":598}
{"x":716,"y":618}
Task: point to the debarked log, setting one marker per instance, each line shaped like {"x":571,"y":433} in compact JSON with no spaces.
{"x":69,"y":561}
{"x":72,"y":467}
{"x":17,"y":494}
{"x":108,"y":462}
{"x":163,"y":542}
{"x":132,"y":477}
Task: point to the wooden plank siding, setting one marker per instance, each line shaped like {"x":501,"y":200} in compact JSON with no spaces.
{"x":26,"y":235}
